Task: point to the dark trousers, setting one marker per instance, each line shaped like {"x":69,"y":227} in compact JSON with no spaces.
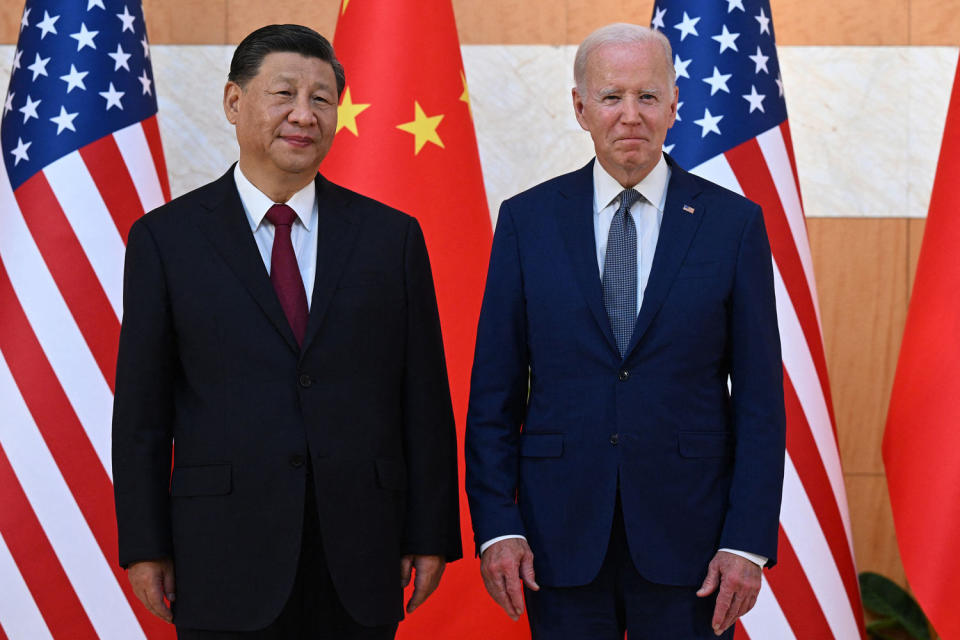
{"x":314,"y":611}
{"x":619,"y":601}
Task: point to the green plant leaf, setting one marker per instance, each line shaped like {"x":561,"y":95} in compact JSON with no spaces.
{"x":878,"y":629}
{"x":886,"y":598}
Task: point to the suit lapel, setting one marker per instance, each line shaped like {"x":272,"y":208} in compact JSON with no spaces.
{"x":337,"y":233}
{"x":575,"y":220}
{"x":676,"y":232}
{"x":227,"y":229}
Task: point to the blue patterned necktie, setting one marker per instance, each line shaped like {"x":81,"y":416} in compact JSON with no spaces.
{"x":620,"y":271}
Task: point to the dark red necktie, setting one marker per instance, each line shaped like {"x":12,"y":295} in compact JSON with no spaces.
{"x":284,"y":272}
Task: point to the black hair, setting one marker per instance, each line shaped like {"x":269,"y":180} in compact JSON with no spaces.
{"x":282,"y":38}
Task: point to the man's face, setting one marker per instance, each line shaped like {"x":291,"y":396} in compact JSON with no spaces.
{"x":285,"y":116}
{"x":627,"y":105}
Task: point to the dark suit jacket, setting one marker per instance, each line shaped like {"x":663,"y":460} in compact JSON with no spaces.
{"x":698,"y":468}
{"x":208,"y":360}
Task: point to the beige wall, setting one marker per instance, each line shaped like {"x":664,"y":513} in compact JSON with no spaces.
{"x":864,"y":266}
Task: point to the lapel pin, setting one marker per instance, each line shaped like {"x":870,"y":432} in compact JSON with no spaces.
{"x":688,"y":208}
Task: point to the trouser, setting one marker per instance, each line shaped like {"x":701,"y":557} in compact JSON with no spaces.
{"x":313,"y":611}
{"x":619,"y":601}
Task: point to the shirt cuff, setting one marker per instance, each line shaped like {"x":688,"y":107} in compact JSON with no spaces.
{"x":752,"y":557}
{"x":486,"y":545}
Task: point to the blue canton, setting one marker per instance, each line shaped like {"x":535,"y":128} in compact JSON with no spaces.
{"x":727,"y":72}
{"x":81,"y":70}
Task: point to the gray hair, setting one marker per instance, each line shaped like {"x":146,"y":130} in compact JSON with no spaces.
{"x":620,"y":33}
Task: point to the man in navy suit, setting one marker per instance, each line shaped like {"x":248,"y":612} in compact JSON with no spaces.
{"x":611,"y":470}
{"x":283,"y":331}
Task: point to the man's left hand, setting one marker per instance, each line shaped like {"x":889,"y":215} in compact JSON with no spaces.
{"x":428,"y":571}
{"x":739,"y":582}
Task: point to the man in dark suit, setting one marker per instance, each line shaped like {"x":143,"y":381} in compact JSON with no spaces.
{"x":283,"y":332}
{"x":610,"y":469}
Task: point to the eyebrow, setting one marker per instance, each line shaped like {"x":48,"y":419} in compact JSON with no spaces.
{"x":611,"y":90}
{"x":283,"y":77}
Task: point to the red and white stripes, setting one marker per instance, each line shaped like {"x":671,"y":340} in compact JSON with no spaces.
{"x":62,"y":237}
{"x":813,"y":591}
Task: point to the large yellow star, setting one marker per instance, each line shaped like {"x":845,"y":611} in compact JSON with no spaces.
{"x":423,"y":128}
{"x":344,"y":7}
{"x":347,"y":113}
{"x":465,"y":96}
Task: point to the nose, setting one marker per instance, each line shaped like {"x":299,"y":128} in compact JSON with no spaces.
{"x":631,"y":110}
{"x":302,"y":114}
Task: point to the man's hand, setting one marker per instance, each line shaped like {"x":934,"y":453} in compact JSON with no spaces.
{"x":428,"y":570}
{"x":739,"y":581}
{"x":503,"y":565}
{"x":152,"y":580}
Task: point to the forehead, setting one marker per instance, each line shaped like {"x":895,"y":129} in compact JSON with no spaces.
{"x":642,"y":61}
{"x":294,"y":66}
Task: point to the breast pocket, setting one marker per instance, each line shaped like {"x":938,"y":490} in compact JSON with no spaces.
{"x":695,"y":270}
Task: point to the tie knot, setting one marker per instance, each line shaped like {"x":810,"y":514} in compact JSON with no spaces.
{"x":280,"y":215}
{"x":628,"y":197}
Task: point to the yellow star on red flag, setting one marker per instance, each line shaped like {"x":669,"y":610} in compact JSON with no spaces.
{"x":347,"y":113}
{"x":423,"y":128}
{"x":465,"y":96}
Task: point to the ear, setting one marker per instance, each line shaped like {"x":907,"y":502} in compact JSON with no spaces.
{"x":232,"y":94}
{"x":578,"y":108}
{"x":673,"y":105}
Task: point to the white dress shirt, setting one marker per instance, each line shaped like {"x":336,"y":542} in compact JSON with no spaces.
{"x":303,"y":233}
{"x":647,"y":216}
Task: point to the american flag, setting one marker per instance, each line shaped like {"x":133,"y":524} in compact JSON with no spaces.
{"x":732,"y":129}
{"x":81,"y":161}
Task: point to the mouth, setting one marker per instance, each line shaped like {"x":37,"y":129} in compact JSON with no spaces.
{"x":298,"y":141}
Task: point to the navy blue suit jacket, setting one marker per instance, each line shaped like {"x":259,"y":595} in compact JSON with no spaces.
{"x":699,"y":465}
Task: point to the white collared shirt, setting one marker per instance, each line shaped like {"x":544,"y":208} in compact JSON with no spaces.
{"x":647,"y":216}
{"x":303,"y":233}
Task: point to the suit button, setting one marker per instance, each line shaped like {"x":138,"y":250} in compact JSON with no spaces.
{"x":614,"y":439}
{"x":296,"y":461}
{"x":305,"y":380}
{"x":623,"y":375}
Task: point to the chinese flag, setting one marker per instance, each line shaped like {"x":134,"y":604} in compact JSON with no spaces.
{"x":405,"y":137}
{"x":921,"y":447}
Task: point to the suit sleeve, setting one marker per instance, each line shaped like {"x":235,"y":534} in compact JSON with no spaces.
{"x":756,"y":373}
{"x":143,"y":405}
{"x":498,"y":392}
{"x":430,"y":437}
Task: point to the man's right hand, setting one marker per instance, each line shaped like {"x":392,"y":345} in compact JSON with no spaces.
{"x":503,"y":565}
{"x":152,"y":580}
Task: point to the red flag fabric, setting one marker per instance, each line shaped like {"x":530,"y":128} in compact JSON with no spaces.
{"x":921,"y":446}
{"x":405,"y":137}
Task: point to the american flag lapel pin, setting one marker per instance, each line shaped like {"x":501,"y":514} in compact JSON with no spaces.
{"x":688,"y":208}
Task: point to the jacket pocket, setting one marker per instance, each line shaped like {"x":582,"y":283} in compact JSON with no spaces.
{"x":541,"y":445}
{"x":702,"y":269}
{"x":206,"y":480}
{"x":391,"y":474}
{"x":362,"y":279}
{"x":705,"y":444}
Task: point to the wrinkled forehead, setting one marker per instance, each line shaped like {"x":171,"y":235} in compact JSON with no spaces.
{"x":628,"y":59}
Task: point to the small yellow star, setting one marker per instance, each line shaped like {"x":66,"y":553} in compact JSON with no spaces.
{"x":423,"y":128}
{"x":347,"y":113}
{"x":465,"y":96}
{"x":344,"y":7}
